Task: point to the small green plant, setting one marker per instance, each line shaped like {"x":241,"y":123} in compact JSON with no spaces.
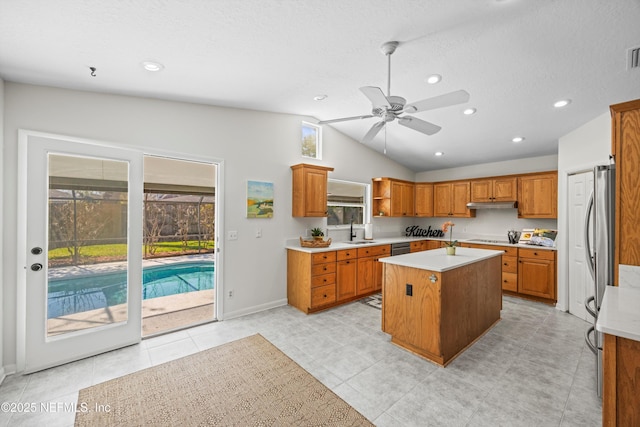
{"x":317,"y":232}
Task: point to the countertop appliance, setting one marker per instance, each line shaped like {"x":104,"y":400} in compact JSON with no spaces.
{"x":599,"y":237}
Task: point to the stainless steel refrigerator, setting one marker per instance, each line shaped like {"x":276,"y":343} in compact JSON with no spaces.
{"x":599,"y":247}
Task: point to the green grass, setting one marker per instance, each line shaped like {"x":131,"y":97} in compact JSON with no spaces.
{"x":120,"y":250}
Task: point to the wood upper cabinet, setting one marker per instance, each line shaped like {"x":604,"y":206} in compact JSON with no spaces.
{"x":537,"y":273}
{"x":626,"y":149}
{"x":494,"y":190}
{"x":538,"y":195}
{"x":450,"y":199}
{"x":309,"y":190}
{"x":424,"y":199}
{"x":393,"y":197}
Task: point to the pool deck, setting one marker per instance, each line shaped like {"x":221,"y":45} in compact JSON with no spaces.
{"x":158,"y":314}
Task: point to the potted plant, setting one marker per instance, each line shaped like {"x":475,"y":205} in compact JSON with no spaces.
{"x":317,"y":233}
{"x":451,"y":245}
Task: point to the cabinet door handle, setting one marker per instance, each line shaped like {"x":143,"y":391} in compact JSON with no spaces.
{"x":535,"y":253}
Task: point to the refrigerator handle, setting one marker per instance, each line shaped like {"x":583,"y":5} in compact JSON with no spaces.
{"x":587,"y":246}
{"x":591,"y":311}
{"x":592,"y":347}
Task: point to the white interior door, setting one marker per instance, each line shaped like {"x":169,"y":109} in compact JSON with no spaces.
{"x":78,"y":197}
{"x":580,"y":281}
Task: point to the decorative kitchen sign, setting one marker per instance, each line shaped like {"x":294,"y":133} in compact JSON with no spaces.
{"x":416,"y":231}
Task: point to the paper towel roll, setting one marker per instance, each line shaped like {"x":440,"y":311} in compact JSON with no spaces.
{"x":368,"y":231}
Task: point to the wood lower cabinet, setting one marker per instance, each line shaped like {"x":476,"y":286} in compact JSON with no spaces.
{"x":326,"y":279}
{"x":346,"y":274}
{"x":369,"y":270}
{"x":625,"y":137}
{"x":424,"y":245}
{"x":537,"y":273}
{"x":621,"y":380}
{"x":538,"y":195}
{"x":509,"y":264}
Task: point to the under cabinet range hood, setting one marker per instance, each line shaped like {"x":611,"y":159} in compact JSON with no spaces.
{"x":492,"y":205}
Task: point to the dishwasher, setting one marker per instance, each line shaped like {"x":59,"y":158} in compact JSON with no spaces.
{"x":400,"y":248}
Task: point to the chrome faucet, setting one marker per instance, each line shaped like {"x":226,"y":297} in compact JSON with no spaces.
{"x":351,"y":233}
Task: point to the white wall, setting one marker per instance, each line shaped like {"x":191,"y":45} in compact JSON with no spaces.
{"x":254,"y":145}
{"x":578,"y":151}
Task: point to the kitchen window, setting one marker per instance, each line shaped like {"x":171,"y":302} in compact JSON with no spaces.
{"x":347,"y":201}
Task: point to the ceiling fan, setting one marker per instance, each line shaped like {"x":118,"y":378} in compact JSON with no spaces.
{"x":389,"y":108}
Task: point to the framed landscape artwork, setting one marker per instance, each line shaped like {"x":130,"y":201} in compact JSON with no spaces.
{"x":259,"y":199}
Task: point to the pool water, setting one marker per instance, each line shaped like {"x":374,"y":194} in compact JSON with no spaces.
{"x":78,"y":294}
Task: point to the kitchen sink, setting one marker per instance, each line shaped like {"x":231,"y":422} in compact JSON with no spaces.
{"x":360,"y":242}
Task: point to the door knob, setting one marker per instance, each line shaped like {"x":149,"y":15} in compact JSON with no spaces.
{"x":36,"y":267}
{"x":36,"y":251}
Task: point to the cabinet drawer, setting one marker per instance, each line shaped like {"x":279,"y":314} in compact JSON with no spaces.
{"x":324,"y":279}
{"x":417,"y":246}
{"x":509,"y":264}
{"x":347,"y":254}
{"x":510,"y":282}
{"x":319,"y":269}
{"x":538,"y":253}
{"x":323,"y":295}
{"x":374,"y":251}
{"x":323,"y":257}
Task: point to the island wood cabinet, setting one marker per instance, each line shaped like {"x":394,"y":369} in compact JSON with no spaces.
{"x":317,"y":281}
{"x":424,"y":199}
{"x":309,"y":190}
{"x":393,"y":197}
{"x":537,"y":273}
{"x":626,"y":150}
{"x":621,"y":374}
{"x":538,"y":195}
{"x":450,"y":199}
{"x":503,"y":189}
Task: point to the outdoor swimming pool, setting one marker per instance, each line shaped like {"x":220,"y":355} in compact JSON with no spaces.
{"x":77,"y":294}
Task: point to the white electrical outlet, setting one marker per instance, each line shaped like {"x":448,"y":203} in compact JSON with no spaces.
{"x":232,"y":235}
{"x":258,"y":233}
{"x":230,"y":294}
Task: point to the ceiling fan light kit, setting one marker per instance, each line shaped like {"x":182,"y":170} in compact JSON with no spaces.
{"x":391,"y":107}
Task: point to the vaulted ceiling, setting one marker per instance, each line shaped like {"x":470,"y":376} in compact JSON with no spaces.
{"x":514,"y":57}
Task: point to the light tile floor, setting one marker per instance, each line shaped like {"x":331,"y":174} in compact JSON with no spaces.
{"x":531,"y":369}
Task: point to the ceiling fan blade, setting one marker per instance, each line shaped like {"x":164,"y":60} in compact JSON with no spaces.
{"x":451,"y":98}
{"x":376,"y":96}
{"x":373,"y":132}
{"x":344,"y":119}
{"x":419,"y":125}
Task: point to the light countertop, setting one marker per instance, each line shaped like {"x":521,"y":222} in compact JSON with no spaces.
{"x":336,"y":246}
{"x":619,"y":314}
{"x":438,"y":260}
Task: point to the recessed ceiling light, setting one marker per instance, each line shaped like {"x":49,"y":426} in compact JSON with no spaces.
{"x":152,"y":66}
{"x":518,"y":139}
{"x":438,"y":153}
{"x":469,"y":111}
{"x":434,"y":78}
{"x":320,"y":97}
{"x":562,"y":103}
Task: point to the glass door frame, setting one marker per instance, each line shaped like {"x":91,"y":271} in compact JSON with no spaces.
{"x":22,"y":244}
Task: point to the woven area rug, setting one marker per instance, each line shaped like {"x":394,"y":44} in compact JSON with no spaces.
{"x":248,"y":382}
{"x":374,"y":300}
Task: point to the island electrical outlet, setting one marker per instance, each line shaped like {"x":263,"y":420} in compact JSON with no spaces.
{"x":409,"y":289}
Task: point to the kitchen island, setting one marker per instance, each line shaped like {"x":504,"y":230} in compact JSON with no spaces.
{"x":436,"y":305}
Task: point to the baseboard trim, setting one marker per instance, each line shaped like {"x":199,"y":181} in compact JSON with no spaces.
{"x":254,"y":309}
